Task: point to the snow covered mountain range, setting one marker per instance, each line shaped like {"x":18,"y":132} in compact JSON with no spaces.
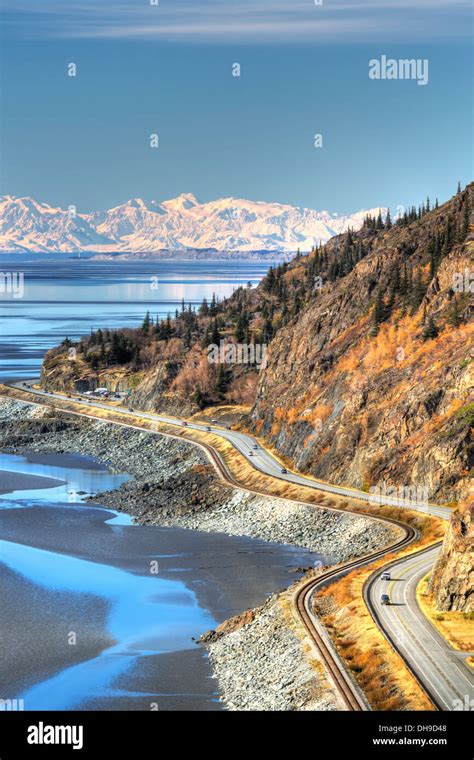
{"x":181,"y":224}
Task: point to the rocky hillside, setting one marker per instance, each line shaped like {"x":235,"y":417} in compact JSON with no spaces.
{"x":452,"y":581}
{"x":367,"y":341}
{"x":370,"y":386}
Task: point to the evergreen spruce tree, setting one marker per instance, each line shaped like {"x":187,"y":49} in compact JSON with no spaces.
{"x":198,"y":398}
{"x":204,"y":308}
{"x":215,"y":334}
{"x":433,"y":258}
{"x":213,"y":306}
{"x":241,"y":327}
{"x":448,"y":238}
{"x":222,"y":381}
{"x":270,"y":280}
{"x":418,"y":291}
{"x":431,"y":329}
{"x":267,"y":331}
{"x":146,"y":323}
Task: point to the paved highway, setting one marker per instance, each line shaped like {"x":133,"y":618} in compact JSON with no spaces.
{"x":442,"y":671}
{"x":260,"y":458}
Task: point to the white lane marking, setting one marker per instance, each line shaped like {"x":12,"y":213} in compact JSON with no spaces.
{"x":426,"y":626}
{"x":398,"y":626}
{"x":423,"y":629}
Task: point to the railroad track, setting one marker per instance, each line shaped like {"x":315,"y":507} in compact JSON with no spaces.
{"x":349,"y":691}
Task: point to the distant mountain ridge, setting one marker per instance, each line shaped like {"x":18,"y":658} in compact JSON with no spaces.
{"x":182,"y":223}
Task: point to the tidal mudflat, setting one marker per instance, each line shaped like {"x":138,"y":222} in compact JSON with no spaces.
{"x":99,"y":613}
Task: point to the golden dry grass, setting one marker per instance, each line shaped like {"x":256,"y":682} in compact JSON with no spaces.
{"x":456,"y":627}
{"x":379,"y":670}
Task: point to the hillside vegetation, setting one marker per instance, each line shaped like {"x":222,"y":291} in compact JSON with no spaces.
{"x":367,"y":346}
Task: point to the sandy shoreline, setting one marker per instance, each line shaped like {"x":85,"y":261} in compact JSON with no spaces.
{"x":22,"y":481}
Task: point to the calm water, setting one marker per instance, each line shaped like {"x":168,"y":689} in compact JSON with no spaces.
{"x":86,"y":621}
{"x":68,"y":298}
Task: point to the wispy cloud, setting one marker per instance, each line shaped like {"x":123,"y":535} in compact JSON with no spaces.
{"x":240,"y":20}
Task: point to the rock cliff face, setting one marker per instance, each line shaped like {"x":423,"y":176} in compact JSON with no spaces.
{"x":452,"y":581}
{"x":386,"y":407}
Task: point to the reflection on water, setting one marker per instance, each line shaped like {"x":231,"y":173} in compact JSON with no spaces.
{"x":146,"y":616}
{"x":84,"y":570}
{"x":79,"y":483}
{"x":70,"y":298}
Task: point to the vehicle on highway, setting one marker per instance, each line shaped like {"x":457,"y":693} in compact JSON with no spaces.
{"x":385,"y":575}
{"x":255,"y":447}
{"x":185,"y":424}
{"x":284,"y":470}
{"x":208,"y":427}
{"x":385,"y":599}
{"x":130,"y":408}
{"x":250,"y":453}
{"x":215,"y":422}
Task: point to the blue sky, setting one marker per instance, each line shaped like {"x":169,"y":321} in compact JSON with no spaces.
{"x":167,"y":69}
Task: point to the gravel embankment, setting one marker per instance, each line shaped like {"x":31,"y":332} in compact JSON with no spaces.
{"x":174,"y":485}
{"x":263,"y":664}
{"x":146,"y":457}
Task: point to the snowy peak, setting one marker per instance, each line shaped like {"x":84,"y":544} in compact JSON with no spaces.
{"x":26,"y":225}
{"x":225,"y":224}
{"x":183,"y":202}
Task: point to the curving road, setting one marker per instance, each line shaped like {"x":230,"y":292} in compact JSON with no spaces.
{"x":441,"y":670}
{"x":259,"y":457}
